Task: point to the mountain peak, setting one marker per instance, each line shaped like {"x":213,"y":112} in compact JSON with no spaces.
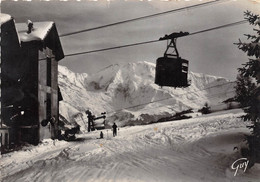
{"x":122,"y":86}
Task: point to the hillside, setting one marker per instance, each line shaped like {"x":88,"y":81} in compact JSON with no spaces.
{"x":199,"y":150}
{"x":115,"y":89}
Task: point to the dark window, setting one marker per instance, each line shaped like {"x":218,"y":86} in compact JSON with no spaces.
{"x":6,"y":138}
{"x":48,"y":105}
{"x":49,"y":72}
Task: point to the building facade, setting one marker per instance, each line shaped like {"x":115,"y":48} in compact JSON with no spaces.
{"x":29,"y":74}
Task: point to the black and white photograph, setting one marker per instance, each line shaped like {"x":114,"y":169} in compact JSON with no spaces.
{"x":130,"y":91}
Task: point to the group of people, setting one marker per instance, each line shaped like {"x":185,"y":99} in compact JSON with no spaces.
{"x":114,"y":128}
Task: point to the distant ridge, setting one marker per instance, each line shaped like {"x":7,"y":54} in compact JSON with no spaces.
{"x":121,"y":86}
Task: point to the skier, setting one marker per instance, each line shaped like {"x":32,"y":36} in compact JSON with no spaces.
{"x":114,"y":129}
{"x":101,"y":135}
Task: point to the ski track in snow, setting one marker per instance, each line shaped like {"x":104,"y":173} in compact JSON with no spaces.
{"x":198,"y":149}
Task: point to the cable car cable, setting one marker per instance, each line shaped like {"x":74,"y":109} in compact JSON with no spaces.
{"x":111,"y":48}
{"x":219,"y":27}
{"x":144,"y":17}
{"x":153,"y":41}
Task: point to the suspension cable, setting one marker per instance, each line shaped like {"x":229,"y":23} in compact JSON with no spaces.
{"x":144,"y":17}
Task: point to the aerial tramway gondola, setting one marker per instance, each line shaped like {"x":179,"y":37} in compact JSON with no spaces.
{"x":172,"y":70}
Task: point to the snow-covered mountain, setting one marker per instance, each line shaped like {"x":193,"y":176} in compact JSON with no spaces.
{"x":117,"y":88}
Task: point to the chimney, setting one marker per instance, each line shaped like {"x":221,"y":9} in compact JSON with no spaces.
{"x":30,"y":26}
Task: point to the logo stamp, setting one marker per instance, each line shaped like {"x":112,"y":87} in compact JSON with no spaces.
{"x":241,"y":163}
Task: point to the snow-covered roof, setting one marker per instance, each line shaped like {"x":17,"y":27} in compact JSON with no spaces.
{"x":44,"y":32}
{"x":4,"y":18}
{"x":9,"y":36}
{"x":39,"y":32}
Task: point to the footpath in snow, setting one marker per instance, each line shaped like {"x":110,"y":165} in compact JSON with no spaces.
{"x":197,"y":149}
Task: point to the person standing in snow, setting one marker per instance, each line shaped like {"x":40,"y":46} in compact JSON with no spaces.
{"x":101,"y":135}
{"x":114,"y":129}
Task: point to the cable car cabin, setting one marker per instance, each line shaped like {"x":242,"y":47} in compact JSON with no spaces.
{"x":172,"y":72}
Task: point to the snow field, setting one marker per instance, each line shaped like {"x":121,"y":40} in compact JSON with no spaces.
{"x":197,"y":149}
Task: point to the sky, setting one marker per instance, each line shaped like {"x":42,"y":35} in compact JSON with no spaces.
{"x":211,"y":53}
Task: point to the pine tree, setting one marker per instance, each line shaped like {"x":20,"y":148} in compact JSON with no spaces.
{"x":248,"y":90}
{"x":205,"y":109}
{"x":245,"y":88}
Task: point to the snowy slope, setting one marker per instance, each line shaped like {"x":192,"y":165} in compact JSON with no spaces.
{"x":122,"y":86}
{"x":197,"y":150}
